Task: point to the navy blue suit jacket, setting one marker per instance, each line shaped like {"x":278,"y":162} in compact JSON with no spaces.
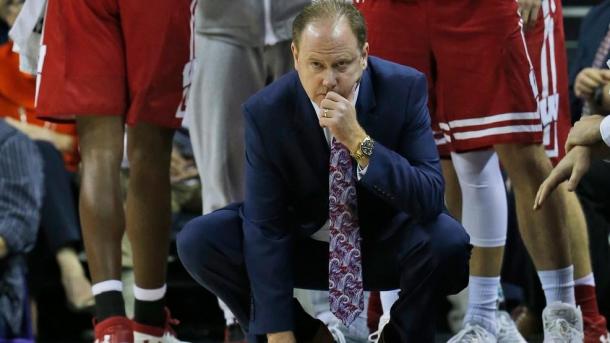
{"x":287,"y":160}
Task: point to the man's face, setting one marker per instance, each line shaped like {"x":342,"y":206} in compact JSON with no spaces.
{"x":328,"y":59}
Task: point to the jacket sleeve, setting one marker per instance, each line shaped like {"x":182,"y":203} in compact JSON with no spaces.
{"x":267,"y":238}
{"x":21,"y":191}
{"x":410,"y":178}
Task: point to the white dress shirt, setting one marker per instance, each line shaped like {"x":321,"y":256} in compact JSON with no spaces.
{"x":604,"y":129}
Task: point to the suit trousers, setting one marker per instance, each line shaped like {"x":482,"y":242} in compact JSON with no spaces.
{"x":227,"y":75}
{"x":426,"y":261}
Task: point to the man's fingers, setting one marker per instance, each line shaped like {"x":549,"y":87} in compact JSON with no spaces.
{"x":541,"y":195}
{"x":334,"y":96}
{"x":583,"y":91}
{"x":605,"y":74}
{"x":328,"y":104}
{"x":558,"y":175}
{"x":534,"y":15}
{"x":525,"y":13}
{"x":324,"y":121}
{"x":546,"y":188}
{"x":568,"y":146}
{"x":589,"y":118}
{"x":594,"y":74}
{"x":591,"y":82}
{"x":578,"y":172}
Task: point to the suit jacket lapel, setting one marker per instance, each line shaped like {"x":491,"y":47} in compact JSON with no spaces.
{"x":306,"y":121}
{"x":366,"y":99}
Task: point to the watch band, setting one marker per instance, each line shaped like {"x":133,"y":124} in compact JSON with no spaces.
{"x":359,"y":154}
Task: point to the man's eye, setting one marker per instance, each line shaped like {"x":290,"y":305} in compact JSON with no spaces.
{"x":316,"y":65}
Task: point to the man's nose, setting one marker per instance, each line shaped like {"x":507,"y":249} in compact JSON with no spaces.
{"x":330,"y":81}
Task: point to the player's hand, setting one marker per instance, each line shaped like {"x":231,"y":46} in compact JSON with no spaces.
{"x":281,"y":337}
{"x":9,"y":10}
{"x":529,"y":12}
{"x":338,"y":114}
{"x":588,"y":80}
{"x":572,"y":167}
{"x":585,"y":132}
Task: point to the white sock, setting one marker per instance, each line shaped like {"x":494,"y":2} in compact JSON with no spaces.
{"x":558,"y":285}
{"x":388,"y":298}
{"x":107,"y":286}
{"x":587,"y":280}
{"x":144,"y":294}
{"x":482,"y":302}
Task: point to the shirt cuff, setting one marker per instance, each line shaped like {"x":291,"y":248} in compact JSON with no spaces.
{"x":361,"y":171}
{"x":604,"y":130}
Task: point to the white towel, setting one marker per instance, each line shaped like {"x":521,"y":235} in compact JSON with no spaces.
{"x":26,"y":36}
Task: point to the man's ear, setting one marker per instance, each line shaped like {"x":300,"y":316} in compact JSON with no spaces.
{"x":364,"y":55}
{"x":295,"y":54}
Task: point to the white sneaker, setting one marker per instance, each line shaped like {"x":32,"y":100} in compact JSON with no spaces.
{"x":562,"y":323}
{"x":374,"y":337}
{"x":168,"y":337}
{"x":507,"y":330}
{"x":337,"y":334}
{"x":473,"y":333}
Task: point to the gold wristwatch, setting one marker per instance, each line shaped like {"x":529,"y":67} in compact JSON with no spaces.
{"x":365,"y":149}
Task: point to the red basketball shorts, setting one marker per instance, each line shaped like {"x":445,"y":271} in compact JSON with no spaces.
{"x":481,"y":81}
{"x":114,"y":58}
{"x":546,"y":45}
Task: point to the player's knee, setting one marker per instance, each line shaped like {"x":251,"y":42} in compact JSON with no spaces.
{"x":527,"y":165}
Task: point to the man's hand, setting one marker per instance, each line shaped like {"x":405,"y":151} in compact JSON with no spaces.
{"x":9,"y":10}
{"x":529,"y":12}
{"x":572,"y":168}
{"x":281,"y":337}
{"x":338,"y":114}
{"x":63,"y":142}
{"x":585,"y":132}
{"x":588,"y":80}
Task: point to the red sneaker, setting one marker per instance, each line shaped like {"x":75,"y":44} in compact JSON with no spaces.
{"x":595,"y":329}
{"x":152,"y":334}
{"x":113,"y":330}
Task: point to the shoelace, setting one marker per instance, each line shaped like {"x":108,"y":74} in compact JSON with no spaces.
{"x":507,"y":329}
{"x":171,"y":322}
{"x":337,"y":334}
{"x":560,"y":329}
{"x":374,"y":337}
{"x":470,"y":334}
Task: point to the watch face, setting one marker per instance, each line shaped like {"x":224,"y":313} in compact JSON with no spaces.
{"x":367,"y":147}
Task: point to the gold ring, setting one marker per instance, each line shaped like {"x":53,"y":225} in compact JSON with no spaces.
{"x":325,"y":115}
